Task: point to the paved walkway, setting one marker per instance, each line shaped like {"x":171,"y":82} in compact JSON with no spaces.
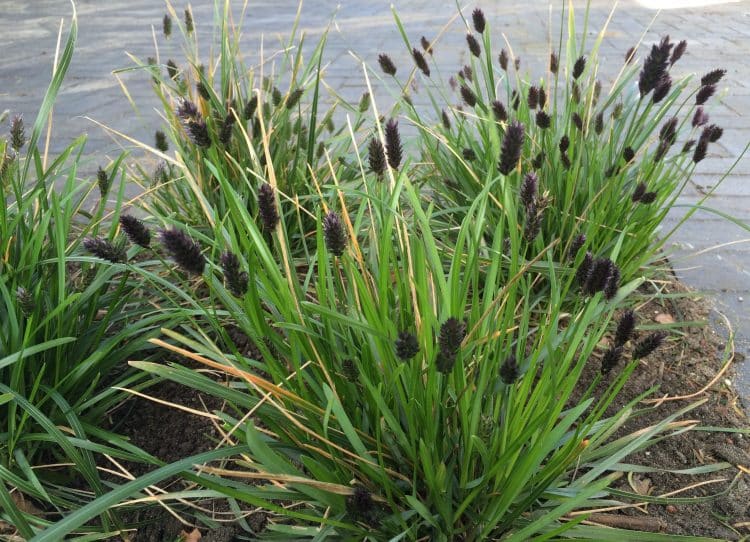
{"x":711,"y":254}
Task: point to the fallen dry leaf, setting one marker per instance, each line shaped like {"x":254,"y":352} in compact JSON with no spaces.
{"x":664,"y":318}
{"x":192,"y":536}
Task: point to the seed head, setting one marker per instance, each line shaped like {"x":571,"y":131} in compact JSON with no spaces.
{"x":235,"y":278}
{"x":542,"y":98}
{"x":630,"y":55}
{"x":668,"y":131}
{"x":565,"y":160}
{"x":293,"y":98}
{"x":187,"y":110}
{"x":189,"y":26}
{"x":661,"y":150}
{"x":655,"y":66}
{"x":625,"y":328}
{"x":276,"y":97}
{"x":446,"y":120}
{"x":334,"y":234}
{"x":172,"y":70}
{"x":646,"y":346}
{"x":612,"y":284}
{"x":704,"y":94}
{"x":575,"y":92}
{"x":509,"y":370}
{"x":579,"y":66}
{"x":533,"y":224}
{"x":564,"y":143}
{"x":105,"y":249}
{"x":617,"y":110}
{"x":376,"y":156}
{"x":510,"y":152}
{"x":103,"y":180}
{"x":700,"y":117}
{"x":648,"y":197}
{"x":688,"y":146}
{"x":599,"y":122}
{"x":577,"y":245}
{"x":639,"y":191}
{"x":503,"y":60}
{"x":499,"y":111}
{"x":420,"y":61}
{"x":469,"y":154}
{"x":677,"y":52}
{"x":250,"y":107}
{"x":25,"y":301}
{"x":185,"y":252}
{"x":17,"y":133}
{"x":225,"y":134}
{"x":538,"y":161}
{"x":360,"y":505}
{"x":474,"y":47}
{"x":167,"y":26}
{"x":610,"y":359}
{"x":527,"y":193}
{"x":452,"y":332}
{"x":701,"y":149}
{"x":517,"y":63}
{"x":597,"y":91}
{"x":269,"y":216}
{"x":386,"y":64}
{"x":662,"y":89}
{"x":554,"y":63}
{"x":515,"y":100}
{"x":543,"y":120}
{"x":468,"y":95}
{"x":426,"y":45}
{"x":467,"y":73}
{"x":599,"y":275}
{"x":135,"y":230}
{"x":160,"y":141}
{"x":584,"y":269}
{"x":197,"y":132}
{"x":712,"y":133}
{"x":393,"y":147}
{"x":407,"y":346}
{"x":477,"y":17}
{"x":712,"y":77}
{"x":577,"y":121}
{"x":532,"y":98}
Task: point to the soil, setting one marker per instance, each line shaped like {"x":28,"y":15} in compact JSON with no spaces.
{"x":691,"y":358}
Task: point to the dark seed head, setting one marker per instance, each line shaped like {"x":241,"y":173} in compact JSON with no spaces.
{"x":510,"y":152}
{"x":452,"y":332}
{"x":503,"y":59}
{"x":160,"y":141}
{"x":678,"y":51}
{"x":187,"y":110}
{"x":189,"y":27}
{"x":630,"y":55}
{"x":334,"y":234}
{"x":575,"y":92}
{"x":662,"y":88}
{"x":467,"y":73}
{"x":197,"y":132}
{"x":565,"y":160}
{"x":625,"y":328}
{"x":617,"y":110}
{"x":446,"y":120}
{"x":712,"y":77}
{"x":515,"y":100}
{"x":655,"y":66}
{"x":172,"y":70}
{"x":360,"y":505}
{"x":648,"y":197}
{"x":612,"y":284}
{"x":202,"y":90}
{"x":579,"y":66}
{"x":640,"y":189}
{"x":420,"y":61}
{"x":393,"y":147}
{"x":517,"y":63}
{"x":167,"y":26}
{"x":386,"y":64}
{"x":700,"y":117}
{"x":17,"y":133}
{"x":600,"y":274}
{"x":225,"y":134}
{"x":668,"y":131}
{"x":185,"y":252}
{"x":236,"y":279}
{"x":477,"y":17}
{"x":527,"y":193}
{"x":533,"y":224}
{"x":276,"y":97}
{"x":105,"y":249}
{"x":646,"y":346}
{"x":611,"y":358}
{"x":136,"y":230}
{"x":499,"y":111}
{"x":509,"y":370}
{"x":538,"y":161}
{"x":468,"y":95}
{"x":468,"y":154}
{"x":267,"y":212}
{"x":250,"y":107}
{"x":542,"y":97}
{"x":661,"y":150}
{"x":103,"y":181}
{"x":564,"y":143}
{"x":688,"y":146}
{"x":554,"y":63}
{"x":712,"y":133}
{"x":576,"y":245}
{"x":473,"y":44}
{"x":407,"y":346}
{"x":583,"y":271}
{"x":701,"y":149}
{"x":426,"y":45}
{"x":577,"y":121}
{"x":293,"y":98}
{"x":704,"y":94}
{"x":599,"y":122}
{"x":376,"y":156}
{"x":532,"y":98}
{"x":543,"y":120}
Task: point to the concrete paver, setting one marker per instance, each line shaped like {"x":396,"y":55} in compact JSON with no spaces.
{"x":718,"y":37}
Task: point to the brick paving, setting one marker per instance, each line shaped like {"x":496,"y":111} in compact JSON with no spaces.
{"x":709,"y":253}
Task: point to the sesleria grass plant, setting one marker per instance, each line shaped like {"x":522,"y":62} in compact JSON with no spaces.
{"x":68,"y":324}
{"x":600,"y":162}
{"x":242,"y":113}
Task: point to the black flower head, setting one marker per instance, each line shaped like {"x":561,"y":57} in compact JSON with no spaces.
{"x":701,"y":149}
{"x":564,"y":143}
{"x":700,"y":117}
{"x":565,"y":160}
{"x":528,"y":189}
{"x":477,"y":17}
{"x":648,"y":197}
{"x":668,"y":131}
{"x":499,"y":111}
{"x":360,"y":505}
{"x":386,"y":64}
{"x":542,"y":97}
{"x":426,"y":45}
{"x":267,"y":212}
{"x":630,"y":55}
{"x":599,"y":276}
{"x":250,"y":108}
{"x":167,"y":26}
{"x":543,"y":120}
{"x":225,"y":134}
{"x":661,"y":150}
{"x":611,"y":358}
{"x":662,"y":88}
{"x":446,"y":120}
{"x":469,"y":154}
{"x":510,"y":152}
{"x":105,"y":249}
{"x":577,"y":245}
{"x":532,"y":98}
{"x":582,"y":274}
{"x":617,"y":110}
{"x":704,"y":94}
{"x":17,"y":133}
{"x":639,"y":191}
{"x":554,"y":63}
{"x":473,"y":44}
{"x":503,"y":59}
{"x":628,"y":154}
{"x":172,"y":70}
{"x":187,"y":110}
{"x":197,"y":132}
{"x":334,"y":234}
{"x":646,"y":346}
{"x":160,"y":141}
{"x":420,"y":61}
{"x":688,"y":146}
{"x":712,"y":77}
{"x":393,"y":147}
{"x":293,"y":98}
{"x":376,"y":156}
{"x":579,"y":66}
{"x":103,"y":181}
{"x":712,"y":133}
{"x":452,"y":332}
{"x":655,"y":66}
{"x":407,"y":346}
{"x":599,"y":122}
{"x":467,"y":73}
{"x":533,"y":224}
{"x":235,"y":278}
{"x":509,"y":370}
{"x":189,"y":26}
{"x":185,"y":252}
{"x":538,"y":161}
{"x":517,"y":63}
{"x":136,"y":231}
{"x":515,"y":100}
{"x":577,"y":121}
{"x":678,"y":51}
{"x":625,"y":328}
{"x":612,"y":284}
{"x":276,"y":96}
{"x":597,"y":91}
{"x":468,"y":95}
{"x":575,"y":92}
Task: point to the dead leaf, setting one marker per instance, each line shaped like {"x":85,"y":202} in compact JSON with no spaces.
{"x":664,"y":318}
{"x":641,"y":486}
{"x":192,"y":536}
